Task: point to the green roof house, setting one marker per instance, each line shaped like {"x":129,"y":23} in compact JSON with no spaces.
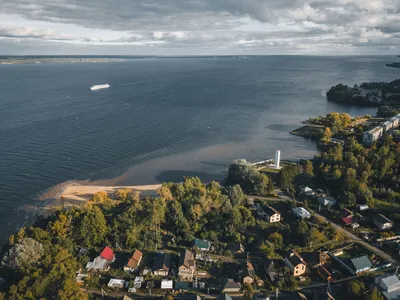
{"x":361,"y":264}
{"x":202,"y":245}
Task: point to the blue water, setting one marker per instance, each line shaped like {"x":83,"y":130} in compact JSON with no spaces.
{"x":160,"y":120}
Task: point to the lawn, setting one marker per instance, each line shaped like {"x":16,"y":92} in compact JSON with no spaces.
{"x":269,"y":170}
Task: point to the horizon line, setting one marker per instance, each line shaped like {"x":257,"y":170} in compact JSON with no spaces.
{"x":187,"y":55}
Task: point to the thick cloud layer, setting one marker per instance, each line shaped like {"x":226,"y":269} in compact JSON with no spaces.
{"x":200,"y":26}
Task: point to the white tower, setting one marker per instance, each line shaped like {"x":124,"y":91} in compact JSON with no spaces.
{"x":277,"y":158}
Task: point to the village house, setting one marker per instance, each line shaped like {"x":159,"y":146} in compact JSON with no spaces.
{"x":167,"y":284}
{"x":238,"y":248}
{"x":271,"y":271}
{"x":272,"y":215}
{"x":145,"y":271}
{"x":137,"y":283}
{"x":315,"y":259}
{"x":307,"y":191}
{"x":248,"y":274}
{"x":301,"y":213}
{"x":134,"y":261}
{"x":202,"y":245}
{"x":295,"y":263}
{"x":117,"y":283}
{"x":326,"y":201}
{"x":350,"y":221}
{"x":230,"y":286}
{"x":102,"y":262}
{"x":108,"y":254}
{"x":360,"y":264}
{"x":187,"y":266}
{"x":161,"y":265}
{"x":382,"y":222}
{"x":389,"y":286}
{"x":80,"y":278}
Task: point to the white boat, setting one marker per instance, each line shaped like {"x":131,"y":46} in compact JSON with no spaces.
{"x":99,"y":87}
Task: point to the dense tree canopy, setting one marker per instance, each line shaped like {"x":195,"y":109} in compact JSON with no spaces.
{"x":250,"y":179}
{"x":361,"y":174}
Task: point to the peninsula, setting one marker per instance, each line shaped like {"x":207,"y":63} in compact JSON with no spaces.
{"x":394,"y":65}
{"x":367,"y":94}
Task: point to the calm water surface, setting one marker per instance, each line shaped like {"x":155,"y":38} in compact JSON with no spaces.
{"x":160,"y":120}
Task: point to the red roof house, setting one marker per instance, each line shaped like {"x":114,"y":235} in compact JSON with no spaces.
{"x":108,"y":254}
{"x":134,"y":261}
{"x":348,"y":220}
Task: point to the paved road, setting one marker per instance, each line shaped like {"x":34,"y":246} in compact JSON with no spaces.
{"x":281,"y":197}
{"x":355,"y":238}
{"x":384,"y":255}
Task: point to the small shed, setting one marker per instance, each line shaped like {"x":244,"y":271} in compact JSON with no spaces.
{"x":167,"y":284}
{"x":117,"y":283}
{"x":363,"y":207}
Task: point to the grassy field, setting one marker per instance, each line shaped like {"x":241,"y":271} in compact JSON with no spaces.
{"x":269,"y":170}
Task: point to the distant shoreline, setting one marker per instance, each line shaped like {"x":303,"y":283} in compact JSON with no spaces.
{"x":57,"y":61}
{"x":393,"y":65}
{"x":64,"y":59}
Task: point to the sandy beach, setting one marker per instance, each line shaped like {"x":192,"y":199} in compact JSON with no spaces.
{"x":75,"y":194}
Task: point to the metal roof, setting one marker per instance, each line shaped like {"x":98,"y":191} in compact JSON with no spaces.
{"x":202,"y":244}
{"x":162,"y":262}
{"x":361,"y":263}
{"x":390,"y":283}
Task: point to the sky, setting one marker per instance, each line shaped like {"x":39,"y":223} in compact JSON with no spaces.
{"x":200,"y":27}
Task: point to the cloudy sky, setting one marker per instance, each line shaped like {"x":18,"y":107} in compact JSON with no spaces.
{"x":199,"y":27}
